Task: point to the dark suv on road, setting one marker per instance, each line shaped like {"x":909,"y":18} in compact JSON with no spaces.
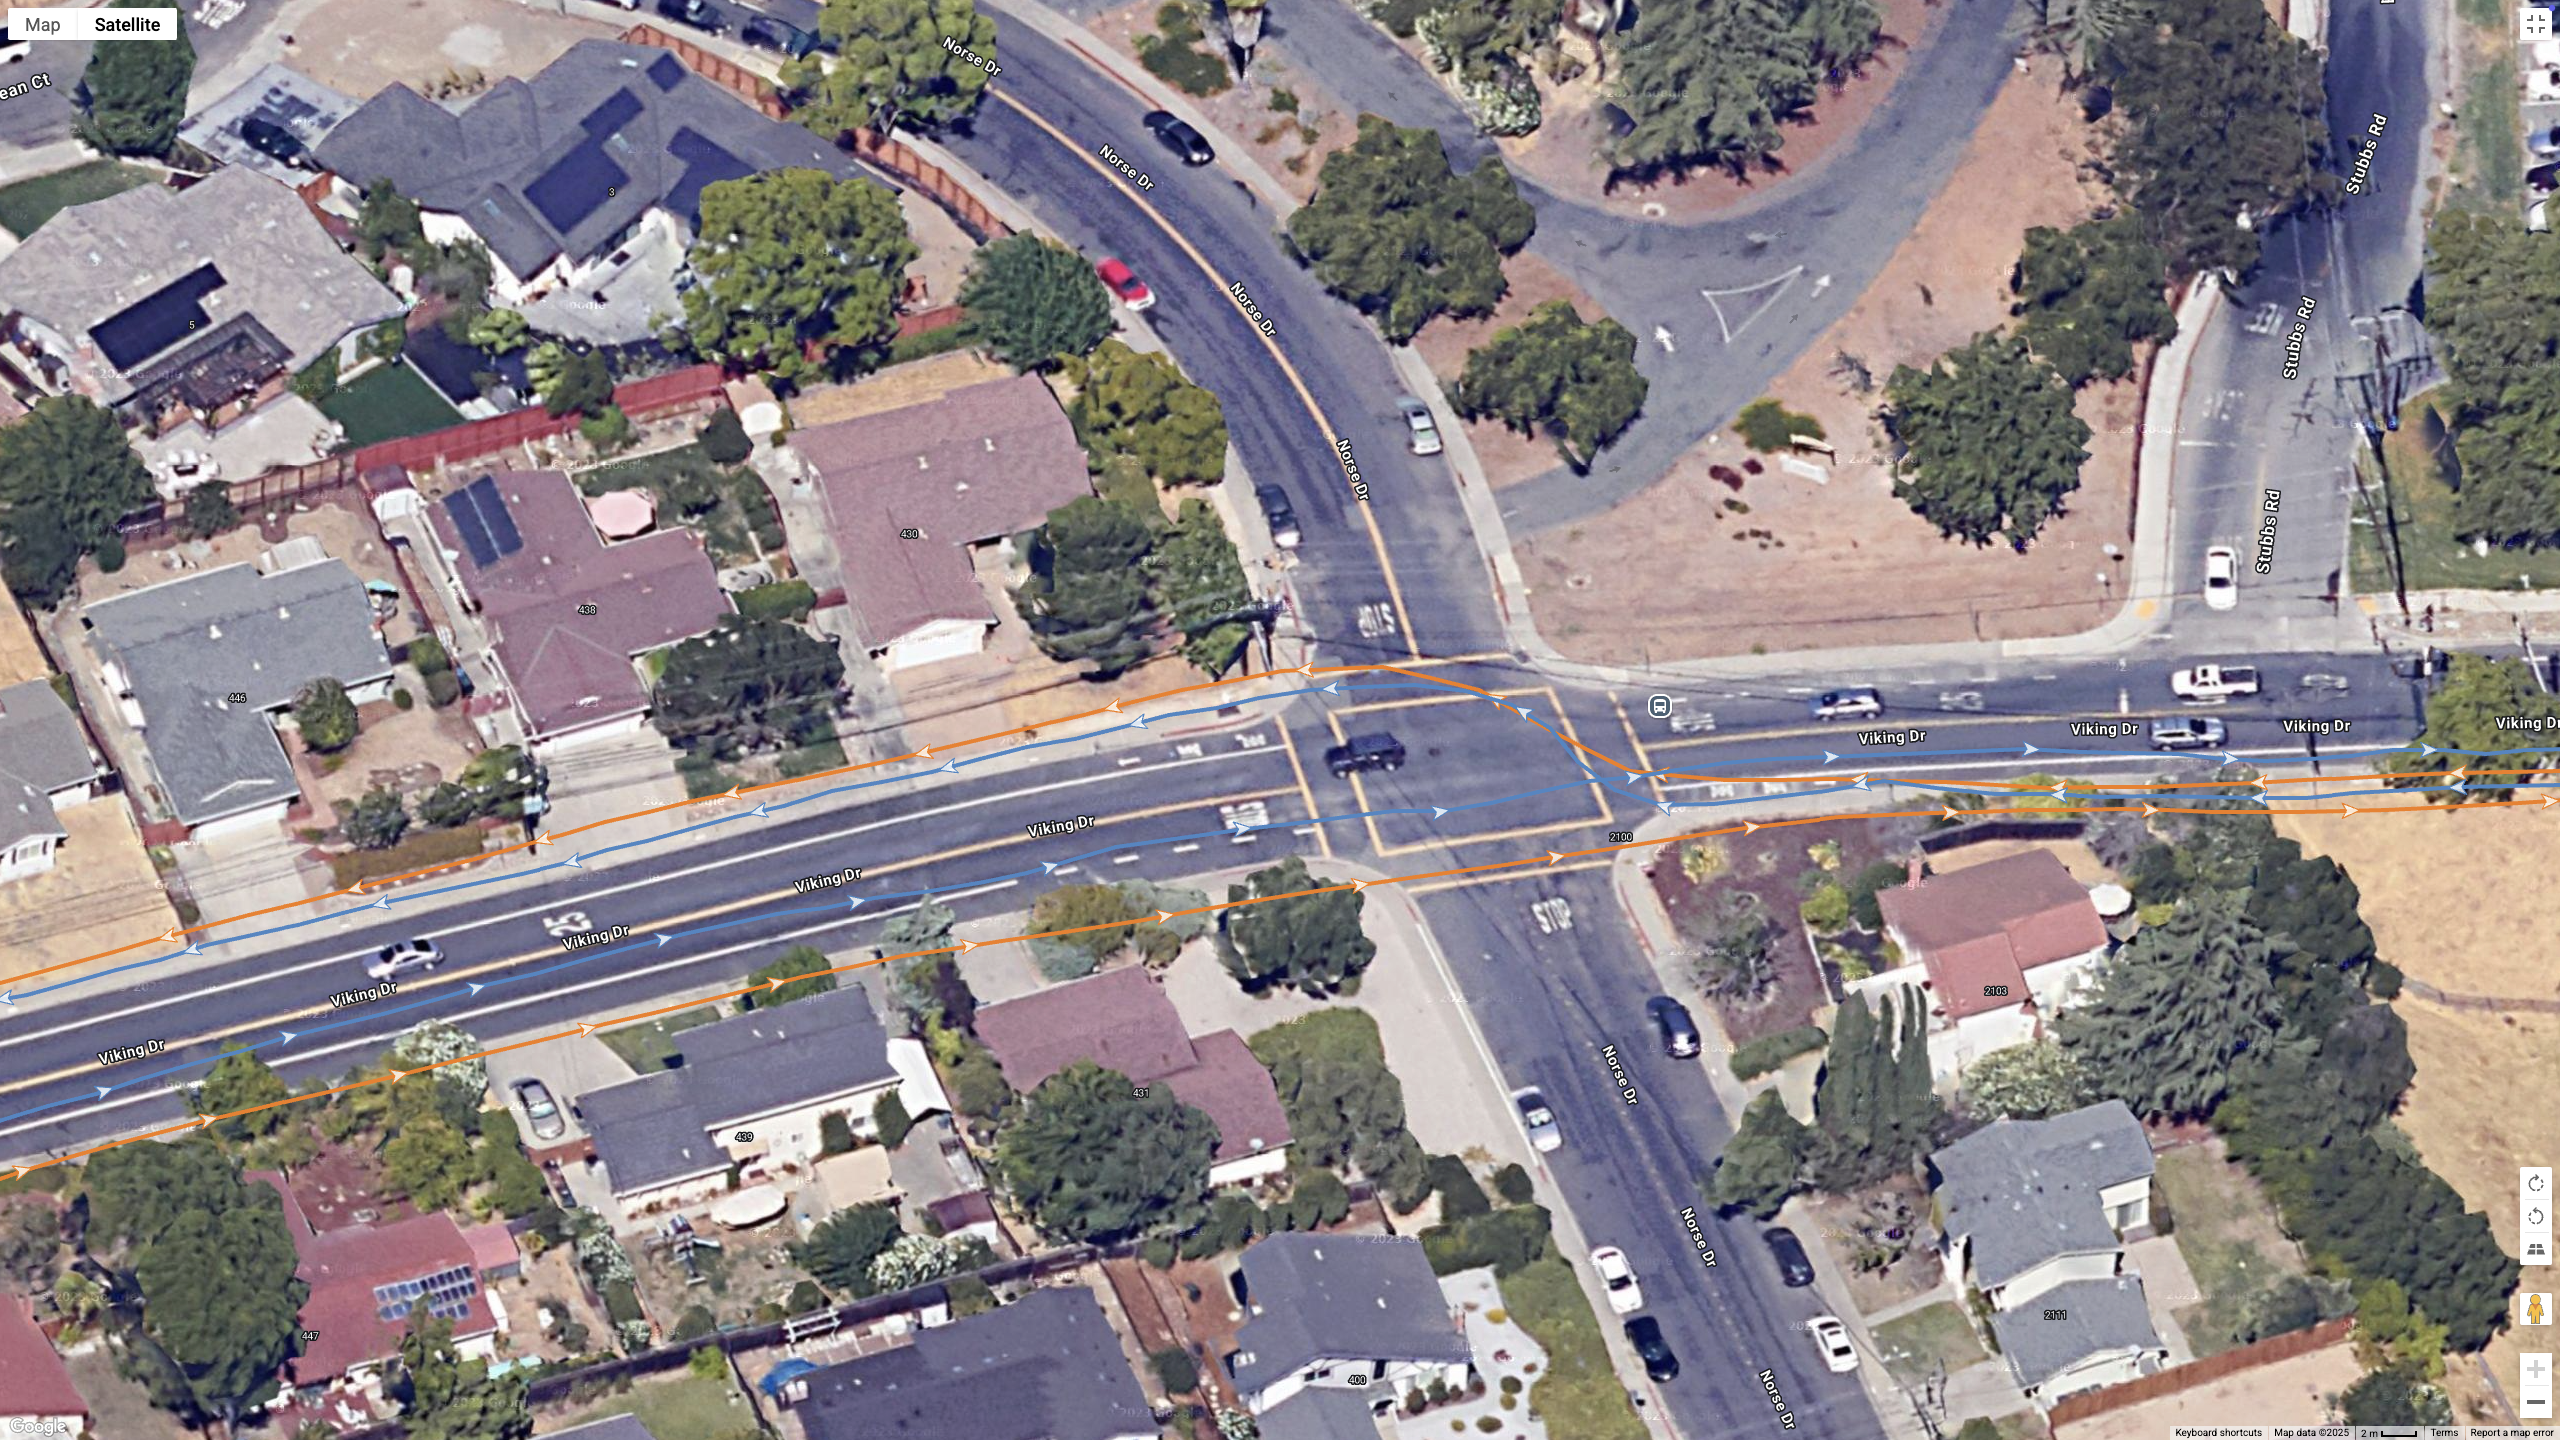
{"x":1365,"y":752}
{"x":1679,"y":1032}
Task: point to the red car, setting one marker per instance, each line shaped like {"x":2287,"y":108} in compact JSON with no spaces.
{"x":1133,"y":292}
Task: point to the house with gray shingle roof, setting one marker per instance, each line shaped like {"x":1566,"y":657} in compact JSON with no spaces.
{"x":1346,"y":1312}
{"x":2034,"y":1214}
{"x":1049,"y":1366}
{"x":560,"y":175}
{"x":166,"y":304}
{"x":201,"y":666}
{"x":46,"y":765}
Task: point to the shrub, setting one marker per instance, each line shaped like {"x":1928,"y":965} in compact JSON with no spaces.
{"x":1826,"y":911}
{"x":607,"y":430}
{"x":1514,"y":1186}
{"x":891,"y":1119}
{"x":724,"y":439}
{"x":789,"y":600}
{"x":969,"y":1296}
{"x":427,"y":656}
{"x":1507,"y":1240}
{"x":1158,"y":1252}
{"x":693,"y":1324}
{"x":401,"y":699}
{"x":1174,"y":1370}
{"x":318,"y":378}
{"x":1460,"y":1195}
{"x":925,"y":344}
{"x":835,"y":1133}
{"x":1755,"y":1058}
{"x":2382,"y":979}
{"x":443,"y":688}
{"x":110,"y":553}
{"x":1882,"y":875}
{"x":706,"y":1363}
{"x":1765,"y":425}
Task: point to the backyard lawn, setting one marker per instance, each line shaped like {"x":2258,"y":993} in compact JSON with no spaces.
{"x":729,"y":508}
{"x":388,"y":403}
{"x":30,"y":203}
{"x":689,"y":1406}
{"x":1915,"y":1345}
{"x":2227,"y":1233}
{"x":647,"y":1046}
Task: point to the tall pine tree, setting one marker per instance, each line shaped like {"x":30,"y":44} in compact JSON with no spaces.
{"x":2176,"y":1011}
{"x":1874,"y":1106}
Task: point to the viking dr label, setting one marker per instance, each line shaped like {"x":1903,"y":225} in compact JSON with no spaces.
{"x":129,"y":1052}
{"x":574,"y":943}
{"x":807,"y":883}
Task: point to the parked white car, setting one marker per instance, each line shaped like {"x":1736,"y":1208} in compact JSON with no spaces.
{"x":1833,"y":1338}
{"x":1619,"y":1278}
{"x":2221,"y":577}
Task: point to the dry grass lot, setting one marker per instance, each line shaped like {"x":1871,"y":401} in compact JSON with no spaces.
{"x":2423,"y":878}
{"x":2290,"y":1392}
{"x":1786,"y":563}
{"x":102,"y":893}
{"x":361,"y":46}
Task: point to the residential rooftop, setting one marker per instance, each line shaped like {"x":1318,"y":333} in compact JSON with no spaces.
{"x":1980,"y":929}
{"x":1318,"y":1297}
{"x":2072,"y":1322}
{"x":366,"y":1279}
{"x":42,"y":750}
{"x":1046,"y":1367}
{"x":2027,"y":1191}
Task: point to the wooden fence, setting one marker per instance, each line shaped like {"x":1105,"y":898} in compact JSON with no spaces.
{"x":2171,"y":1381}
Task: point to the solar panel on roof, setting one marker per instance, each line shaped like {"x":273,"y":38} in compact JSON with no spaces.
{"x":666,"y":72}
{"x":157,"y":320}
{"x":494,"y":512}
{"x":463,"y":508}
{"x":613,"y":112}
{"x":575,"y":185}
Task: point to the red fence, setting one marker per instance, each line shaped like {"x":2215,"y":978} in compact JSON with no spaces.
{"x":2287,"y":1346}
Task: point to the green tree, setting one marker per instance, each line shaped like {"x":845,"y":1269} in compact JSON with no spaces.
{"x":892,"y":66}
{"x":2089,"y":294}
{"x":1096,"y":1159}
{"x":912,"y":1260}
{"x":1734,"y":952}
{"x":1033,"y":302}
{"x":1087,"y":598}
{"x":1129,"y":403}
{"x":137,"y":1192}
{"x":2024,"y":1082}
{"x":443,"y":1396}
{"x":890,"y":1120}
{"x":209,"y":511}
{"x":569,"y":381}
{"x":1572,"y":380}
{"x":387,"y":220}
{"x":1345,"y":1106}
{"x":2463,"y":716}
{"x":840,"y":1251}
{"x":2493,"y":311}
{"x":67,"y":475}
{"x":325,"y":716}
{"x":751,"y":684}
{"x":787,"y":259}
{"x":2393,"y":1395}
{"x":1764,"y":1162}
{"x":30,"y":1236}
{"x":724,"y":438}
{"x":1874,"y":1107}
{"x":1201,"y":588}
{"x":220,"y":1297}
{"x":376,"y":821}
{"x":242,"y":1081}
{"x":1311,"y":942}
{"x":499,"y":331}
{"x":802,"y":968}
{"x":2225,"y":128}
{"x":2173,"y":1012}
{"x":134,"y":92}
{"x":1714,"y":85}
{"x":429,"y":1162}
{"x":1395,"y":231}
{"x":1074,"y":908}
{"x":440,"y":1045}
{"x":1990,"y":443}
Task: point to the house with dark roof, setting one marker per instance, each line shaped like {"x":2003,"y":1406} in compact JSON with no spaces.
{"x":564,"y":176}
{"x":171,"y":305}
{"x":1049,"y":1366}
{"x":202,"y":666}
{"x":751,"y":1091}
{"x":46,"y":766}
{"x":2000,"y":948}
{"x":367,"y":1279}
{"x":911,"y":496}
{"x":567,"y":615}
{"x":36,"y":1393}
{"x":1343,"y":1312}
{"x":2033,"y":1213}
{"x":1123,"y":1020}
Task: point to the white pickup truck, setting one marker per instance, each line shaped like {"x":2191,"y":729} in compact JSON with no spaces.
{"x":2214,"y":682}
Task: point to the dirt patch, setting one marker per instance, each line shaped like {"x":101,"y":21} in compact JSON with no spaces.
{"x":1563,"y":153}
{"x":1508,"y":457}
{"x":102,"y":894}
{"x":1807,"y":561}
{"x":405,"y":751}
{"x":360,"y":46}
{"x":1289,"y":143}
{"x":895,"y":388}
{"x":2421,"y":880}
{"x":2290,"y":1392}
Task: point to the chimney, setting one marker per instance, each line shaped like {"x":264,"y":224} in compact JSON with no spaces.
{"x":1911,"y":881}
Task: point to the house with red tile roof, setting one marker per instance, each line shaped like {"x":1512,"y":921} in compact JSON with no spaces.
{"x":2003,"y":945}
{"x":36,"y":1393}
{"x":1122,"y":1020}
{"x":366,"y":1279}
{"x":566,"y":614}
{"x":911,"y":494}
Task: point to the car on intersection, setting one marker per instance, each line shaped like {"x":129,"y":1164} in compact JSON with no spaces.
{"x":1618,"y":1278}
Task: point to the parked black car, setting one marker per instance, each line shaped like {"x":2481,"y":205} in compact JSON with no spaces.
{"x":1645,"y":1333}
{"x":766,"y":33}
{"x":1679,"y":1032}
{"x":696,"y":13}
{"x":276,"y":142}
{"x":1794,"y":1266}
{"x":1180,"y":138}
